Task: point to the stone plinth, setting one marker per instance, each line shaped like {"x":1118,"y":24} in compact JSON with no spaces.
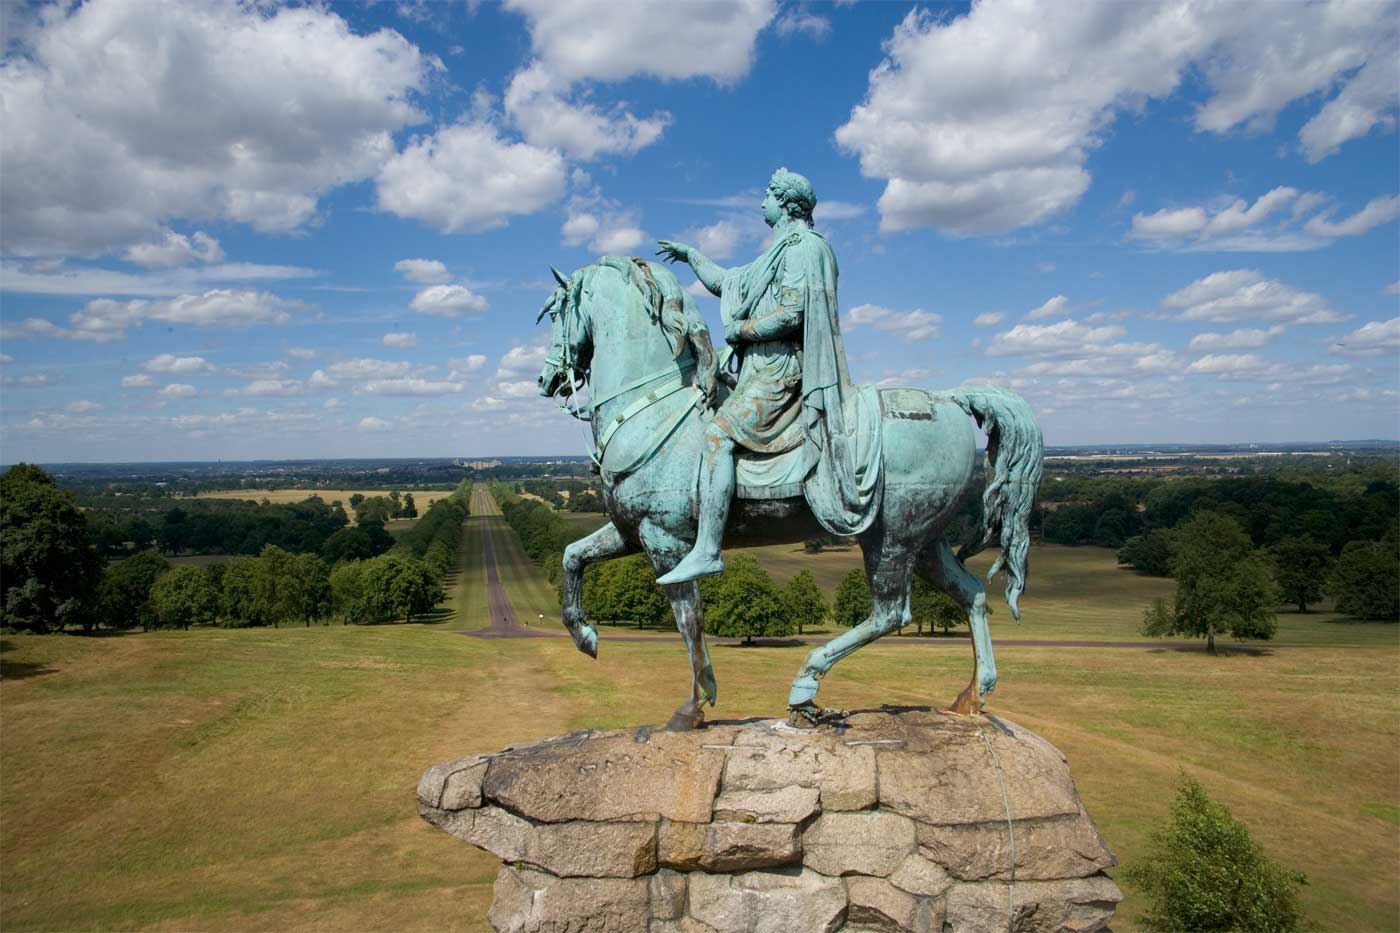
{"x":900,"y":820}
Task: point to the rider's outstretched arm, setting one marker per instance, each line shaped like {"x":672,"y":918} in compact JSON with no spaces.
{"x":710,"y":275}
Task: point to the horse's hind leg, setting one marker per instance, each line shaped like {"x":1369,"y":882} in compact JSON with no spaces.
{"x":604,"y":543}
{"x":665,"y":550}
{"x":941,"y":567}
{"x":887,"y":566}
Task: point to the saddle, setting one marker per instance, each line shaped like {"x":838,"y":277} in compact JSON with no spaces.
{"x":782,"y":475}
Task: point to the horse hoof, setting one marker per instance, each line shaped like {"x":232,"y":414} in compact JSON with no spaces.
{"x":686,"y":719}
{"x":811,"y":716}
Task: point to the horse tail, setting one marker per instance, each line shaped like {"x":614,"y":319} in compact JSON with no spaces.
{"x":1015,"y":460}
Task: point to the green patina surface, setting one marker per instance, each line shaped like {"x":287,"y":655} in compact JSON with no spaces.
{"x":888,"y":468}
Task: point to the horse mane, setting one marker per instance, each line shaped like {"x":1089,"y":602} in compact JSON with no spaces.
{"x":662,"y":295}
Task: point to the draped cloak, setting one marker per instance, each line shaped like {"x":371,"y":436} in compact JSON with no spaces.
{"x":790,"y":392}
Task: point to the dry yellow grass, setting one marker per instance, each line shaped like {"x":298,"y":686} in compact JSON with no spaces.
{"x":422,"y":498}
{"x":258,"y":779}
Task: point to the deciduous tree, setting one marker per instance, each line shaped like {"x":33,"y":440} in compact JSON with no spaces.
{"x":1149,"y":553}
{"x":804,"y":602}
{"x":853,"y":603}
{"x":1302,"y":567}
{"x":1222,"y":584}
{"x":184,"y":597}
{"x":48,"y":570}
{"x":123,"y":594}
{"x":307,"y":586}
{"x":347,"y":582}
{"x":238,"y":603}
{"x":1366,"y":581}
{"x":744,"y":602}
{"x":399,"y":587}
{"x":932,"y":607}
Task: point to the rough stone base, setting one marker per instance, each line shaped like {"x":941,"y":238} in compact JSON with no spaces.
{"x":895,"y":822}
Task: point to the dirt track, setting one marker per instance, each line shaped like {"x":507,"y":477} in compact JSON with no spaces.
{"x":503,"y":623}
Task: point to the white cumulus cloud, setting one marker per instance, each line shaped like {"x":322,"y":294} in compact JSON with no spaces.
{"x":176,"y":249}
{"x":400,"y":339}
{"x":448,"y":301}
{"x":122,"y":116}
{"x":408,"y":386}
{"x":272,"y":387}
{"x":601,"y":223}
{"x":608,"y":41}
{"x":363,"y":369}
{"x":1241,"y":294}
{"x":984,"y":122}
{"x":1242,"y":339}
{"x":1053,"y":307}
{"x":178,"y":390}
{"x":465,"y":177}
{"x":1374,"y":338}
{"x":373,"y":424}
{"x":1264,"y":226}
{"x":1375,"y":213}
{"x":521,"y":361}
{"x":104,"y":320}
{"x":427,"y":271}
{"x":180,"y":365}
{"x":548,"y":115}
{"x":917,"y":324}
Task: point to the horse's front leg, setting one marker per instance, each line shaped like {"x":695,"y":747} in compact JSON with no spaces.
{"x":665,"y":550}
{"x":604,"y":543}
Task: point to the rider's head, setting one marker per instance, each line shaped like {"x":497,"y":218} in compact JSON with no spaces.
{"x":794,"y":192}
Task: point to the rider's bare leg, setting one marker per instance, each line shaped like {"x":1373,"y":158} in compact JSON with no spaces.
{"x":716,"y":490}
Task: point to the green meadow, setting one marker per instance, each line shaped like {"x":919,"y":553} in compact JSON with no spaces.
{"x":264,"y":779}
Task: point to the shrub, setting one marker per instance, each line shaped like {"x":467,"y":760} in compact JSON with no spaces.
{"x":1203,"y":871}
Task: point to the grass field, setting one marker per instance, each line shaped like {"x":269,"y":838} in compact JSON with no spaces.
{"x":422,"y":498}
{"x":254,"y":779}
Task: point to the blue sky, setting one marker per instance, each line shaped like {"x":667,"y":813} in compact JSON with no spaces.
{"x":252,"y":231}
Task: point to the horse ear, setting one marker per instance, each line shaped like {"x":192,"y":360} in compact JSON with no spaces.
{"x":559,"y":277}
{"x":548,"y":306}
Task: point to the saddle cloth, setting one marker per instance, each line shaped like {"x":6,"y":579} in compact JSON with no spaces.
{"x":780,"y":476}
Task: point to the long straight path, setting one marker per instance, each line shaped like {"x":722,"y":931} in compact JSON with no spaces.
{"x":503,"y":622}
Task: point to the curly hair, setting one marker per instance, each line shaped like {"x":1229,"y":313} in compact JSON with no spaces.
{"x":795,"y":193}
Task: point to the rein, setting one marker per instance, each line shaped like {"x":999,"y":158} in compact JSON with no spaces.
{"x":566,"y":362}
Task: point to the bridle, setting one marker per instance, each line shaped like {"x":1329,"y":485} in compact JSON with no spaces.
{"x":566,"y":302}
{"x":566,"y":362}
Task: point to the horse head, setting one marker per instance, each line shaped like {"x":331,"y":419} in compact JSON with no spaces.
{"x":566,"y":362}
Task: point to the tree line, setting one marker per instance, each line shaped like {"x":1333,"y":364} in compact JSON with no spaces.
{"x":742,"y":602}
{"x":53,"y":576}
{"x":123,"y":524}
{"x":565,"y":495}
{"x":1109,"y":511}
